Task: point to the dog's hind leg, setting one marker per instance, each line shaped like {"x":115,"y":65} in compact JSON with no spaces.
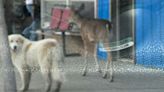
{"x":98,"y":69}
{"x":48,"y":79}
{"x":109,"y":62}
{"x":86,"y":63}
{"x":58,"y":86}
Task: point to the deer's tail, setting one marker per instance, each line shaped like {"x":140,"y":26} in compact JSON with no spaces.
{"x":109,"y":27}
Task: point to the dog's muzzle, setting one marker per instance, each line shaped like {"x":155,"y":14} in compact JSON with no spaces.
{"x":14,"y":48}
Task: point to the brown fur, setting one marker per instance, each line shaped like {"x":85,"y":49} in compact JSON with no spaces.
{"x":92,"y":32}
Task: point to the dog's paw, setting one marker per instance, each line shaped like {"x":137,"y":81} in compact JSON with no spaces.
{"x":99,"y":70}
{"x":84,"y":73}
{"x":22,"y":89}
{"x":57,"y":90}
{"x":111,"y":79}
{"x":105,"y":75}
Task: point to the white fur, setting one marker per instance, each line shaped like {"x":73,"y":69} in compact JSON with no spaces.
{"x":44,"y":55}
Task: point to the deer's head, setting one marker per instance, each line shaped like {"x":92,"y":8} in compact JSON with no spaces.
{"x":74,"y":13}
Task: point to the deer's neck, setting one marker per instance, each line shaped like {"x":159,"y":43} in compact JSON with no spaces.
{"x":79,"y":21}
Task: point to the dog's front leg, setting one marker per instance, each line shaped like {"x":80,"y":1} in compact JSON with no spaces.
{"x":25,"y":75}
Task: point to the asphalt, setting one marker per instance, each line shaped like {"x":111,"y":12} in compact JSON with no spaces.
{"x":127,"y":78}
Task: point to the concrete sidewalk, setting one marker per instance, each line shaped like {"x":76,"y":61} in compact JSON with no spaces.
{"x":127,"y":78}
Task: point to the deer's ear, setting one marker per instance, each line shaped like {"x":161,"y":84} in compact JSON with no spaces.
{"x":82,"y":6}
{"x":72,"y":7}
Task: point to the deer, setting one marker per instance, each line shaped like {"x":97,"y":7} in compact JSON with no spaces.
{"x":93,"y":31}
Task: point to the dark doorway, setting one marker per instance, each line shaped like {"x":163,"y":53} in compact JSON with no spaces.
{"x":123,"y":23}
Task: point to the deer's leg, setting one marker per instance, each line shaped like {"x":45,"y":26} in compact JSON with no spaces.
{"x":85,"y":63}
{"x":109,"y":63}
{"x":98,"y":69}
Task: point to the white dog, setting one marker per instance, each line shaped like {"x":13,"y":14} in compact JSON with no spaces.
{"x":43,"y":54}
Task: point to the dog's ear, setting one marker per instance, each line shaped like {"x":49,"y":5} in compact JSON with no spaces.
{"x":21,"y":39}
{"x":9,"y":38}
